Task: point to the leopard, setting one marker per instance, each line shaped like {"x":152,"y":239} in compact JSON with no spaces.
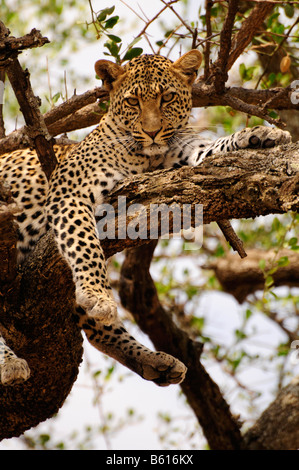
{"x":145,"y":128}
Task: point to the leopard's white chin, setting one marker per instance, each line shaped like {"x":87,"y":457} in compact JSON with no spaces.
{"x":155,"y":149}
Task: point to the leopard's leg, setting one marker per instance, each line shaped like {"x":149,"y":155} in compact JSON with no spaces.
{"x":116,"y":342}
{"x":75,"y":231}
{"x":13,"y":370}
{"x":248,"y":138}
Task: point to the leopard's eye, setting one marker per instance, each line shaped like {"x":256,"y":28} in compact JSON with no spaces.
{"x":132,"y":101}
{"x":168,"y":97}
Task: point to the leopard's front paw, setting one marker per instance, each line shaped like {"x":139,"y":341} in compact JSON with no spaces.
{"x":103,"y":311}
{"x":261,"y":137}
{"x":163,"y":369}
{"x":14,"y":371}
{"x":101,"y":308}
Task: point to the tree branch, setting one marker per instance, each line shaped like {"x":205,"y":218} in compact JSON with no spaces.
{"x":237,"y":185}
{"x":10,"y":46}
{"x":278,"y":426}
{"x":219,"y":68}
{"x":29,"y":104}
{"x":247,"y":31}
{"x":243,"y":279}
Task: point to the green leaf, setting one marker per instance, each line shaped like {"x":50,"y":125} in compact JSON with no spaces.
{"x":240,"y":334}
{"x":104,"y":13}
{"x":283,"y":349}
{"x":242,"y":70}
{"x":246,"y":73}
{"x":132,"y":53}
{"x":56,"y":97}
{"x":113,"y":48}
{"x":198,"y":322}
{"x":283,"y":261}
{"x":114,"y":38}
{"x":269,"y":281}
{"x":248,"y":314}
{"x":293,"y":241}
{"x":289,"y":10}
{"x":44,"y":438}
{"x":111,"y":22}
{"x":134,"y":42}
{"x":191,"y":291}
{"x":96,"y":373}
{"x":262,"y":264}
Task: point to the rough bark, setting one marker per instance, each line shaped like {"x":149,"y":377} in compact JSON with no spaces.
{"x":237,"y":185}
{"x":278,"y":426}
{"x":38,"y":326}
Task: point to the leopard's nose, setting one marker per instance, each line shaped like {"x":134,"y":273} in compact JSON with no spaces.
{"x":152,"y":134}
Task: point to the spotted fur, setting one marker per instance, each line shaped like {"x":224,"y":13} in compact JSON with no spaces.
{"x":146,"y":127}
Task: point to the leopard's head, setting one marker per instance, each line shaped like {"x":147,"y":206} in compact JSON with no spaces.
{"x":150,"y":97}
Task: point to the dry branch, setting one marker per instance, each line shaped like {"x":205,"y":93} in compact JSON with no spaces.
{"x":248,"y":30}
{"x":10,"y":46}
{"x":36,"y":129}
{"x":243,"y":279}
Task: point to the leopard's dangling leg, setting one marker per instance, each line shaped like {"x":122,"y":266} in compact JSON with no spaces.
{"x":116,"y":342}
{"x":13,"y":370}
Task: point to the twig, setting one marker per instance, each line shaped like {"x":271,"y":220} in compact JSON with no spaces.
{"x":248,"y":30}
{"x":253,"y":110}
{"x":231,"y":237}
{"x":2,"y":126}
{"x":209,"y":4}
{"x":220,"y":67}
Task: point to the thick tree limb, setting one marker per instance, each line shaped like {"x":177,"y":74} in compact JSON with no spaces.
{"x":38,"y":327}
{"x":237,"y":185}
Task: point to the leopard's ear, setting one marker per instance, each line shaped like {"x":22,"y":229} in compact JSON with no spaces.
{"x":108,"y":71}
{"x":188,"y":65}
